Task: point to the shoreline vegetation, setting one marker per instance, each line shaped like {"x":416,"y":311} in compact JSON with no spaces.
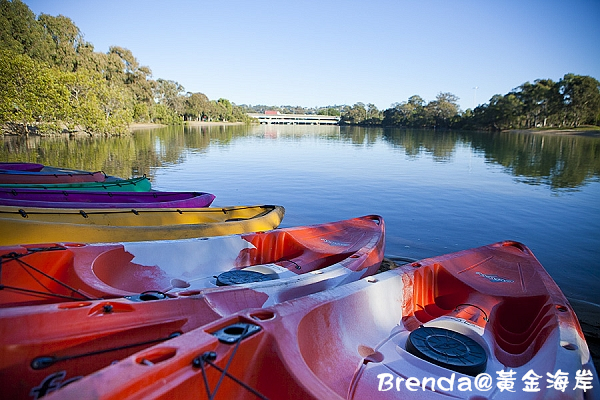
{"x":583,"y":131}
{"x":54,"y":81}
{"x":18,"y":129}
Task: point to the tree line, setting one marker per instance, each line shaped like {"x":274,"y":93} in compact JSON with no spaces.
{"x":52,"y":79}
{"x":571,"y":102}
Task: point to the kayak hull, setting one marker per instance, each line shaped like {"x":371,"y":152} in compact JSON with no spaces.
{"x":34,"y":177}
{"x":39,"y":198}
{"x":140,"y":184}
{"x":49,"y":273}
{"x":20,"y":166}
{"x":45,"y":225}
{"x":75,"y":338}
{"x":353,"y":341}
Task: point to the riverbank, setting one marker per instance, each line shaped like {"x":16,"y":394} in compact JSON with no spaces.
{"x":137,"y":126}
{"x":574,"y":131}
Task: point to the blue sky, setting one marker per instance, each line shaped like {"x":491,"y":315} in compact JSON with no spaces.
{"x":317,"y":53}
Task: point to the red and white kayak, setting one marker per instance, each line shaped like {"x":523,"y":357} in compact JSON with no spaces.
{"x":171,"y":287}
{"x":486,"y":323}
{"x":47,"y":273}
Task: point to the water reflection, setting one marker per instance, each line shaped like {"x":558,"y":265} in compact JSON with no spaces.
{"x":556,"y":161}
{"x":559,"y":162}
{"x":441,"y":146}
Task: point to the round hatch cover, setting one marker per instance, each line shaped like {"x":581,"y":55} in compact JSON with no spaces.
{"x":237,"y":277}
{"x":448,"y":349}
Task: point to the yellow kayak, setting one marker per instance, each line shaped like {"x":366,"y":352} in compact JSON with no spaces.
{"x":45,"y":225}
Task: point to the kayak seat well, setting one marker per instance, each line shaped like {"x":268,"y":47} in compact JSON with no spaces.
{"x":520,"y":323}
{"x":521,"y":326}
{"x":116,"y":269}
{"x":288,"y":251}
{"x":437,"y":293}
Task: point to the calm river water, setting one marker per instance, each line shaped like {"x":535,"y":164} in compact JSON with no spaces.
{"x":438,"y":192}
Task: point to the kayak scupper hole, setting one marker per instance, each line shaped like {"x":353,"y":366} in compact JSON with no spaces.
{"x":561,"y":308}
{"x":150,"y":296}
{"x":262,"y":315}
{"x":568,"y":345}
{"x":189,"y":292}
{"x":234,"y":330}
{"x":156,"y":356}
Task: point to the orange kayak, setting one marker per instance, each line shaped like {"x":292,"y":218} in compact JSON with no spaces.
{"x":45,"y":273}
{"x":482,"y":323}
{"x":71,"y":339}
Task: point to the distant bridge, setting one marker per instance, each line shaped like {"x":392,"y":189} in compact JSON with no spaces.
{"x":296,"y":119}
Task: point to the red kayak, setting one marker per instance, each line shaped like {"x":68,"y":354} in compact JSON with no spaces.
{"x":41,"y":198}
{"x":486,"y":323}
{"x":168,"y":293}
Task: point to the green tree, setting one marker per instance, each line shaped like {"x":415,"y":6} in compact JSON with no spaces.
{"x":29,"y":92}
{"x":224,"y":110}
{"x":197,"y":107}
{"x":355,"y":115}
{"x":540,"y":101}
{"x":162,"y":114}
{"x":85,"y":111}
{"x":328,"y":111}
{"x":443,"y":110}
{"x":169,"y":93}
{"x":21,"y":33}
{"x":66,"y":39}
{"x":581,"y":96}
{"x":374,"y":116}
{"x":135,"y":76}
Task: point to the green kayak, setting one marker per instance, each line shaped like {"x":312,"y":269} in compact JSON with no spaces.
{"x":140,"y":184}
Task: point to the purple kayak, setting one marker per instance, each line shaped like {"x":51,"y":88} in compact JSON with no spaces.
{"x":82,"y":199}
{"x":21,"y":166}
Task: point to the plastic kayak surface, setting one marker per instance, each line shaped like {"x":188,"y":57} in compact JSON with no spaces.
{"x":20,"y":166}
{"x":45,"y":225}
{"x":140,"y":184}
{"x":170,"y":290}
{"x":75,"y":199}
{"x":426,"y":330}
{"x":41,"y":177}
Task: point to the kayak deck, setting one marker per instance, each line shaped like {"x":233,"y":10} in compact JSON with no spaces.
{"x":77,"y":337}
{"x":36,"y":198}
{"x":45,"y":225}
{"x":353,"y":341}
